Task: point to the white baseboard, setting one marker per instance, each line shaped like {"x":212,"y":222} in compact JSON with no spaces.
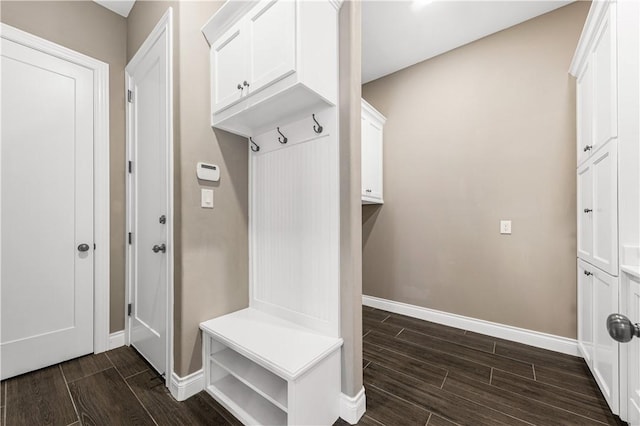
{"x":520,"y":335}
{"x":182,"y":388}
{"x":116,"y":339}
{"x":353,"y":408}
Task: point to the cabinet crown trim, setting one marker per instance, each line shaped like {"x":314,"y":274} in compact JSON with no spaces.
{"x":597,"y":13}
{"x":367,"y":107}
{"x":225,"y":17}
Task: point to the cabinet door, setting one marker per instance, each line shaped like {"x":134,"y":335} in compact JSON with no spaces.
{"x":229,"y":68}
{"x":585,"y":212}
{"x":272,"y":42}
{"x":605,"y":355}
{"x":604,"y":169}
{"x":633,"y":352}
{"x":365,"y":164}
{"x":374,"y":140}
{"x":604,"y":85}
{"x":584,"y":102}
{"x":371,"y":161}
{"x":585,"y":312}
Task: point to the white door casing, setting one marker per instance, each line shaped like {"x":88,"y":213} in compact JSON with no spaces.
{"x":54,"y":198}
{"x":149,"y":197}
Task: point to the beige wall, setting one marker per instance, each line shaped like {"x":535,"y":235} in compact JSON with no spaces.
{"x":97,"y":32}
{"x":211,"y":276}
{"x":350,"y":184}
{"x":482,"y":133}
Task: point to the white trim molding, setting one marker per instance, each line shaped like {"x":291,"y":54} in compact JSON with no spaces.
{"x":116,"y":339}
{"x":182,"y":388}
{"x":352,"y":408}
{"x":101,"y":210}
{"x":502,"y":331}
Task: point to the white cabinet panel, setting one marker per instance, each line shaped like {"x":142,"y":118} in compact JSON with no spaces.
{"x":604,"y":63}
{"x":372,"y":154}
{"x":272,"y":42}
{"x":584,"y":113}
{"x":585,"y":312}
{"x":585,"y":212}
{"x":605,"y":355}
{"x":228,"y":66}
{"x":605,"y":208}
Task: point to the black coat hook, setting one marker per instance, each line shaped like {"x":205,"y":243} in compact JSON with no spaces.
{"x":319,"y":128}
{"x":257,"y":147}
{"x":284,"y":138}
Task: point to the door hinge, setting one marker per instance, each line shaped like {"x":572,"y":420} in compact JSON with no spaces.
{"x":130,"y":166}
{"x":94,"y":246}
{"x":129,"y":96}
{"x":130,"y":237}
{"x":129,"y":309}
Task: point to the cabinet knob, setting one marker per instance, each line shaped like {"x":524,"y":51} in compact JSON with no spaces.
{"x":587,"y":273}
{"x":588,"y":210}
{"x":245,"y":84}
{"x":239,"y":86}
{"x":587,"y":148}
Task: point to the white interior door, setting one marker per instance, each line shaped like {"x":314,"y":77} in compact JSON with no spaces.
{"x":46,"y":255}
{"x":585,"y":311}
{"x":604,"y":171}
{"x":585,"y":212}
{"x":147,"y":79}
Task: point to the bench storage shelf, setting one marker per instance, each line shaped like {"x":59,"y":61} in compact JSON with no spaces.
{"x":266,"y":370}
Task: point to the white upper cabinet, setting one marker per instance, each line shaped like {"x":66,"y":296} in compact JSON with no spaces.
{"x":597,"y":87}
{"x":372,"y":151}
{"x":269,"y":62}
{"x":604,"y":84}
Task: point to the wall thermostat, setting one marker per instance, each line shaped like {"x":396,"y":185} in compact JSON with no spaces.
{"x":209,"y":172}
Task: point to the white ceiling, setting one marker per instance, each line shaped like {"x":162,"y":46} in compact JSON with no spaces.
{"x":121,"y":7}
{"x":397,"y":34}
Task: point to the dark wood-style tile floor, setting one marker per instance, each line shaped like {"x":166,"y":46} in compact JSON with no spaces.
{"x":113,"y":388}
{"x":421,"y":373}
{"x":415,"y":373}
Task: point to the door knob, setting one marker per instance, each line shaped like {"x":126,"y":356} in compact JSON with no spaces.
{"x":587,"y":273}
{"x":239,"y":86}
{"x":587,"y":148}
{"x":588,"y":210}
{"x":162,"y":247}
{"x":162,"y":219}
{"x":621,"y":328}
{"x":245,"y":84}
{"x":83,"y":247}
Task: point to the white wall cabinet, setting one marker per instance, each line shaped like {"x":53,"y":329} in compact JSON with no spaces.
{"x":597,"y":219}
{"x":595,"y":66}
{"x":270,"y":60}
{"x":372,"y":154}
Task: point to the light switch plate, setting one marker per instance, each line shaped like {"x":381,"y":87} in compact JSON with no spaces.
{"x":206,"y":198}
{"x":505,"y":227}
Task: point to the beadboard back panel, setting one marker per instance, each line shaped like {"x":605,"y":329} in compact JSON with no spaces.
{"x":294,"y":235}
